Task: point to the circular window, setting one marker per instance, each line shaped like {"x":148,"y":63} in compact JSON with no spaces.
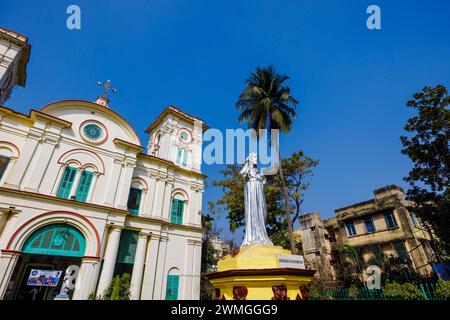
{"x":93,"y":132}
{"x":184,"y":136}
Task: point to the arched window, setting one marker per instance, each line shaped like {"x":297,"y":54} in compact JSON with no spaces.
{"x":178,"y":207}
{"x":172,"y":285}
{"x":8,"y":156}
{"x":56,"y":239}
{"x":65,"y":186}
{"x":182,"y":157}
{"x":4,"y":161}
{"x":84,"y":185}
{"x":136,"y":195}
{"x":76,"y":183}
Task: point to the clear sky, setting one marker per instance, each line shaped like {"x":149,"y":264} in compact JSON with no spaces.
{"x":352,"y":83}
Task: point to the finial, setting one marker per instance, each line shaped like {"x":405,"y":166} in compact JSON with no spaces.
{"x":107,"y":87}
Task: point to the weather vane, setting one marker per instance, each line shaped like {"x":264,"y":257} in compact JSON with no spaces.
{"x":107,"y":87}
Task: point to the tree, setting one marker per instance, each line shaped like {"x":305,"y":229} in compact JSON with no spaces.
{"x":266,"y":103}
{"x":206,"y":289}
{"x":297,"y":167}
{"x":119,"y":288}
{"x":427,"y":145}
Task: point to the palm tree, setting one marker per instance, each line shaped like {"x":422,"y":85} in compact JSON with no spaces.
{"x":266,"y":103}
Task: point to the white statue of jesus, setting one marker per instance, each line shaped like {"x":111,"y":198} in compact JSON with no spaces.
{"x":255,"y":203}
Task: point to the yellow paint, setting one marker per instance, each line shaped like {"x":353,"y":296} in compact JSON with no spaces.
{"x":252,"y":257}
{"x":259,"y":286}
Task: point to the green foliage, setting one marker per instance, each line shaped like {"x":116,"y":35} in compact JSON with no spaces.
{"x":119,"y":288}
{"x":427,"y":145}
{"x":92,"y":296}
{"x":207,"y":260}
{"x":297,"y":169}
{"x":409,"y":291}
{"x":265,"y":102}
{"x":443,"y":289}
{"x":317,"y":290}
{"x":353,"y":292}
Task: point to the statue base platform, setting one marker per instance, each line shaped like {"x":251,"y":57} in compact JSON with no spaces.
{"x":260,"y":272}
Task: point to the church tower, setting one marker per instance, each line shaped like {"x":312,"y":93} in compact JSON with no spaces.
{"x":177,"y":137}
{"x":14,"y":56}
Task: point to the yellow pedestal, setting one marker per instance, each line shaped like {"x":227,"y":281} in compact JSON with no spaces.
{"x":254,"y":272}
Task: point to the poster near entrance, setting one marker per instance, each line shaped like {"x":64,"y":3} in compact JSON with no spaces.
{"x":44,"y":278}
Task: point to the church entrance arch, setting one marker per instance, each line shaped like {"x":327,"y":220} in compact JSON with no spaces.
{"x":46,"y":254}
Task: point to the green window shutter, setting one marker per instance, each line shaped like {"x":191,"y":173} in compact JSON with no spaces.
{"x":180,"y":151}
{"x":172,"y":287}
{"x":180,"y":212}
{"x":185,"y":158}
{"x":56,"y":239}
{"x":134,"y":201}
{"x":84,"y":186}
{"x":176,"y":214}
{"x":127,"y":247}
{"x":66,"y":182}
{"x":174,"y":211}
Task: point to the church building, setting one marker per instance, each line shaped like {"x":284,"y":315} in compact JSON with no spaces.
{"x":78,"y":188}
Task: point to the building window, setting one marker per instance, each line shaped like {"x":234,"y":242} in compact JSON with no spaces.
{"x":390,"y":220}
{"x":368,"y":222}
{"x":172,"y":287}
{"x":400,"y":250}
{"x":93,"y":132}
{"x":127,"y":252}
{"x":176,"y":214}
{"x":412,"y":216}
{"x":66,"y":183}
{"x":84,"y":186}
{"x":351,"y":231}
{"x":4,"y":161}
{"x":182,"y":157}
{"x":134,"y":201}
{"x":56,"y":239}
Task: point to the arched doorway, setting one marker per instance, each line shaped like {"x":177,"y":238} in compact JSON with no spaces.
{"x":46,"y":254}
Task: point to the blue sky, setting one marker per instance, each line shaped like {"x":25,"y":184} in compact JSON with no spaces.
{"x":352,"y":83}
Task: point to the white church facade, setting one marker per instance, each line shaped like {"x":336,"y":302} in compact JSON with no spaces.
{"x":77,"y":187}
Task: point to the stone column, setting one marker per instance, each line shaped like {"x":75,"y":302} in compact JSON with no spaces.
{"x":113,"y":182}
{"x":158,"y":293}
{"x":138,"y":267}
{"x":148,"y":208}
{"x":8,"y":260}
{"x":167,"y":200}
{"x":123,"y":192}
{"x":43,"y":154}
{"x":14,"y":180}
{"x":158,"y":198}
{"x":9,"y":226}
{"x":85,"y":279}
{"x":109,"y":260}
{"x":4,"y":213}
{"x":197,"y":271}
{"x":148,"y":283}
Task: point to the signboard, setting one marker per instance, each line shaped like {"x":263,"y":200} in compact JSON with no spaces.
{"x":291,"y":261}
{"x":44,"y":278}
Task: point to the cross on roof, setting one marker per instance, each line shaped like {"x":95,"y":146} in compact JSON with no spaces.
{"x":107,"y":86}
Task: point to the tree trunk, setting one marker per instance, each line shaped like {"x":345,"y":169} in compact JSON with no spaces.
{"x":286,"y":203}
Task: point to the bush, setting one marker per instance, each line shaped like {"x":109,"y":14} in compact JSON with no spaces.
{"x":443,"y":289}
{"x":353,"y":292}
{"x":394,"y":290}
{"x":119,"y":288}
